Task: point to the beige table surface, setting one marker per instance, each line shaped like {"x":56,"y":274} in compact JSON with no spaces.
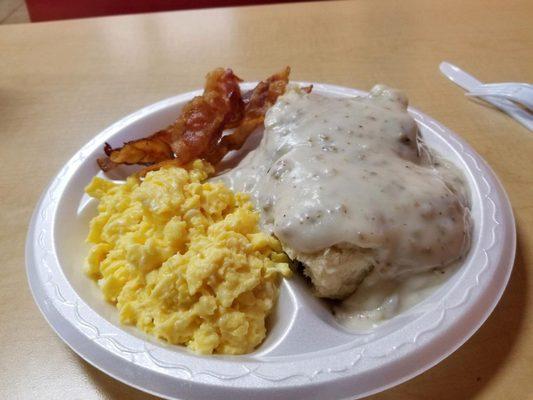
{"x":63,"y":82}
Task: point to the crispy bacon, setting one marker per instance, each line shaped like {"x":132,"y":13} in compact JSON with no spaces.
{"x":199,"y":125}
{"x":260,"y":100}
{"x":202,"y":120}
{"x":150,"y":150}
{"x":197,"y":133}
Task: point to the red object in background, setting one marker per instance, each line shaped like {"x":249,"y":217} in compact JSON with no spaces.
{"x":46,"y":10}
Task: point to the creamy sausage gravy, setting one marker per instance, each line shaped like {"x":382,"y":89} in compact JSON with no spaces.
{"x":355,"y":172}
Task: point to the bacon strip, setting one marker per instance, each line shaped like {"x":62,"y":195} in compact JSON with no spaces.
{"x":202,"y":120}
{"x":150,"y":150}
{"x":261,"y":99}
{"x":197,"y":133}
{"x":199,"y":126}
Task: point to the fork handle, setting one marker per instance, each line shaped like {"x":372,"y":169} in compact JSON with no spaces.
{"x":519,"y":93}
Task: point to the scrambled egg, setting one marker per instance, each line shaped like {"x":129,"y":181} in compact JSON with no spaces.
{"x":184,"y":259}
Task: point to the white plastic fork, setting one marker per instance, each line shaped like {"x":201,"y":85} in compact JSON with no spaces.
{"x":468,"y":82}
{"x":521,"y":93}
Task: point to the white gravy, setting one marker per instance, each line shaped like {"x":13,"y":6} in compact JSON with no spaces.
{"x":355,"y":172}
{"x":377,"y":300}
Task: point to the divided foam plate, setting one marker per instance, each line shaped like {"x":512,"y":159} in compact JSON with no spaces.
{"x":306,"y":354}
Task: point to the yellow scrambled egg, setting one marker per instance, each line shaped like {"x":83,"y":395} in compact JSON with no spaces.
{"x":184,"y":259}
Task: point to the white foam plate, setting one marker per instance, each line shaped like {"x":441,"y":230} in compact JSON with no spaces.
{"x":306,"y":354}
